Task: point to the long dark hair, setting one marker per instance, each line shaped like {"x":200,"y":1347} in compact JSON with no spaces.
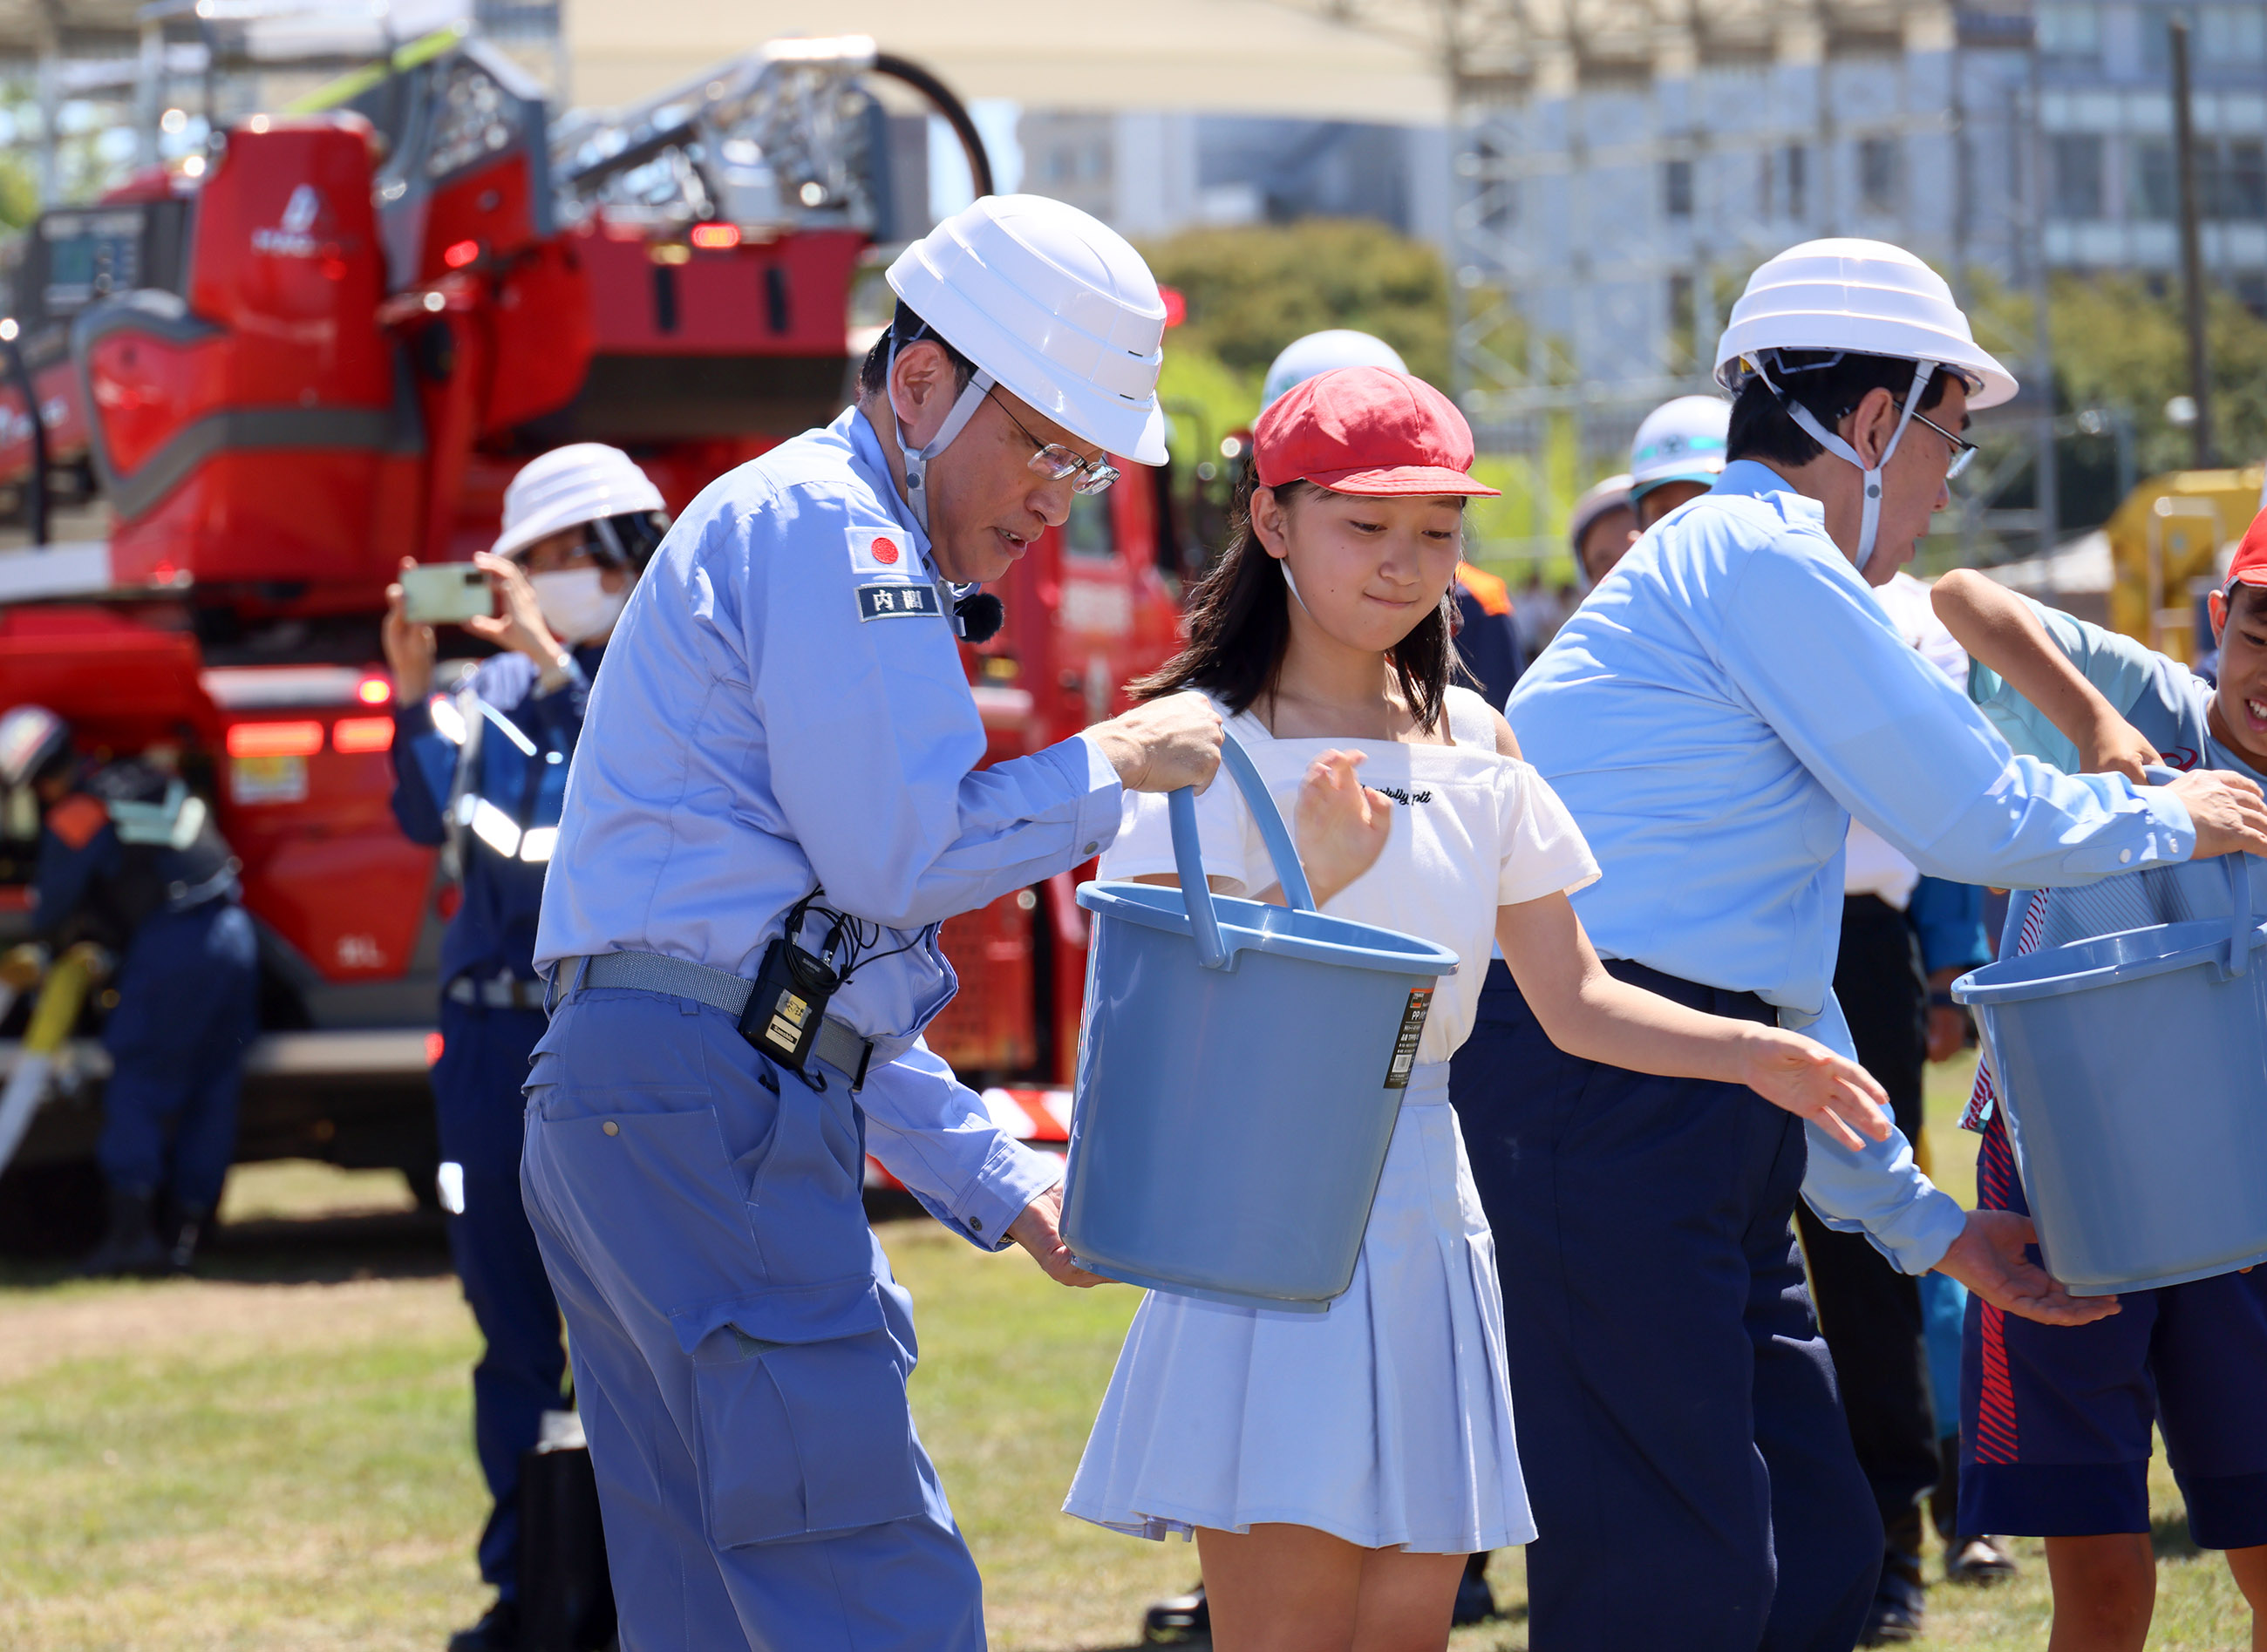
{"x":1239,"y":618}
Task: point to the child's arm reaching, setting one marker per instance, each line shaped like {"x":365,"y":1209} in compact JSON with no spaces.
{"x":1999,"y":628}
{"x":1587,"y":1012}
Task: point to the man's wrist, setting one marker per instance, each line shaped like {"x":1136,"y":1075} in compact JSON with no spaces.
{"x":1126,"y":756}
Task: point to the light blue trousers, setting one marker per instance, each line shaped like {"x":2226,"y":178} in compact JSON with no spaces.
{"x":740,"y":1349}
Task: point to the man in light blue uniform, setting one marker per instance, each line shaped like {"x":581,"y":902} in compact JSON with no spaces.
{"x":773,"y":805}
{"x":1713,"y":715}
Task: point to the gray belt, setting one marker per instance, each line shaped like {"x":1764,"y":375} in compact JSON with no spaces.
{"x":505,"y":992}
{"x":838,"y":1044}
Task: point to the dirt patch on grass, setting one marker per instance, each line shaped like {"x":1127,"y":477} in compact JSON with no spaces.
{"x":218,"y":1319}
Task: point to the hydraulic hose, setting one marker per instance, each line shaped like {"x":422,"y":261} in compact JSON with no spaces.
{"x":955,"y":112}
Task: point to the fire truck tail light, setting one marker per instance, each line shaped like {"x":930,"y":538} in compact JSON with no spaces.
{"x":373,"y":691}
{"x":295,"y":739}
{"x":363,"y":733}
{"x":714,"y":237}
{"x":461,"y":253}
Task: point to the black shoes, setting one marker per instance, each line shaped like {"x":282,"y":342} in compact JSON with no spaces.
{"x":1177,"y":1619}
{"x":1475,"y":1602}
{"x":1901,"y":1599}
{"x":1977,"y":1561}
{"x":130,"y":1247}
{"x":1188,"y":1618}
{"x":498,"y":1632}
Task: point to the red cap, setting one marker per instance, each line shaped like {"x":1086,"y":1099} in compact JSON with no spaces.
{"x":1366,"y":430}
{"x":2249,"y":566}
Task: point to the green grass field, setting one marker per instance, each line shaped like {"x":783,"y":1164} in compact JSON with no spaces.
{"x":277,"y":1457}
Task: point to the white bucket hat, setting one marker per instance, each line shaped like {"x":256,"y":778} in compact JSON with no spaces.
{"x":1862,"y":298}
{"x":569,"y":487}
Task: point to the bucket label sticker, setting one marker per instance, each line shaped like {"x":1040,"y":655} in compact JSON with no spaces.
{"x":1405,"y":1042}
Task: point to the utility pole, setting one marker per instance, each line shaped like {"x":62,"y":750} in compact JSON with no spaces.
{"x":2191,"y":241}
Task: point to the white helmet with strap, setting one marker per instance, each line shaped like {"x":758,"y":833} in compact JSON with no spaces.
{"x":1852,"y":297}
{"x":1049,"y":302}
{"x":567,"y":487}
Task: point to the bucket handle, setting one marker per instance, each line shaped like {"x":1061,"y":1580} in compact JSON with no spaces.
{"x":2238,"y":888}
{"x":1188,"y":858}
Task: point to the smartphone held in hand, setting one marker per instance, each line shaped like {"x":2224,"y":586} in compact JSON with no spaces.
{"x":448,"y":594}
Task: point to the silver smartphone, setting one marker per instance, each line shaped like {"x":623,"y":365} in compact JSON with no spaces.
{"x":446,"y":594}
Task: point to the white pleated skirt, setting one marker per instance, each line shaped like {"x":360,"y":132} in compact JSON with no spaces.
{"x":1385,"y":1421}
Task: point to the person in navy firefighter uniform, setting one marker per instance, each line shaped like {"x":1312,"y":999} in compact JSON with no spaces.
{"x":481,"y":773}
{"x":129,"y":859}
{"x":775,"y":805}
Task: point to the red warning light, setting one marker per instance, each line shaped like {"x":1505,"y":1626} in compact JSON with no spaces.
{"x":434,"y":1045}
{"x":297,"y":738}
{"x":461,"y":253}
{"x":363,"y":733}
{"x":715,"y":237}
{"x":373,"y":691}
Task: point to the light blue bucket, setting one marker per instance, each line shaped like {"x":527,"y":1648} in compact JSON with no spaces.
{"x":1240,"y":1069}
{"x":2132,"y":1068}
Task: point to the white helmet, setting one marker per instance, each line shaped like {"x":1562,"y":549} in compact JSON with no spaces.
{"x":1864,"y":296}
{"x":1050,"y":303}
{"x":1326,"y":352}
{"x":1680,"y":440}
{"x":569,"y":487}
{"x":1857,"y":297}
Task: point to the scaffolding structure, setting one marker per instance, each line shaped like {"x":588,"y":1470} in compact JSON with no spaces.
{"x":1621,"y":166}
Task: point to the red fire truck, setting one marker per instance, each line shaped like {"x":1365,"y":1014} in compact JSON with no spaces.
{"x":265,"y":375}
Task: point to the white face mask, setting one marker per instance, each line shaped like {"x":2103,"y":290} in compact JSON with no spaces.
{"x":575,"y":605}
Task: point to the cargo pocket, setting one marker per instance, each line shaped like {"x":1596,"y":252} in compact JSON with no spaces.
{"x":804,"y":1425}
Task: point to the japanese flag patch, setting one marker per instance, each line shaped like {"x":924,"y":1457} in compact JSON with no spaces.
{"x":883,"y":551}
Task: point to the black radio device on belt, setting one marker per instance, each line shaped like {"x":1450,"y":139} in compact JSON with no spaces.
{"x":787,"y":1007}
{"x":788,"y":1004}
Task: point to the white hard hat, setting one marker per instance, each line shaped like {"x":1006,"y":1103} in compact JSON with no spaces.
{"x":1326,"y":352}
{"x":1613,"y":494}
{"x":1864,"y":297}
{"x":569,"y":487}
{"x":1054,"y":305}
{"x":1680,"y":440}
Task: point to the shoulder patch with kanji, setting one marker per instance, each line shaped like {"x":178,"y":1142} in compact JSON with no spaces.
{"x":895,"y":601}
{"x":76,"y":819}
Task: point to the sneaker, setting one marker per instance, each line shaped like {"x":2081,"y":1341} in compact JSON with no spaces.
{"x":1180,"y":1617}
{"x":498,"y":1632}
{"x":1977,"y":1561}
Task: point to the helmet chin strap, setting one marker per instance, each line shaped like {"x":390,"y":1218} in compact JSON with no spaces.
{"x":1285,"y":564}
{"x":917,"y":459}
{"x":1869,"y":521}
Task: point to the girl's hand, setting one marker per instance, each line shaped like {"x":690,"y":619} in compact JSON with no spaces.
{"x":1342,"y":825}
{"x":2116,"y":746}
{"x":408,"y":647}
{"x":1817,"y":1086}
{"x":520,"y":627}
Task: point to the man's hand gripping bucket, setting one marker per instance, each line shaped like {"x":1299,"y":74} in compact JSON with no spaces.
{"x":2132,"y":1067}
{"x":1240,"y":1069}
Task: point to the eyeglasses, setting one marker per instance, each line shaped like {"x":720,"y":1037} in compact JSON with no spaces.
{"x":1962,"y":450}
{"x":1056,"y":462}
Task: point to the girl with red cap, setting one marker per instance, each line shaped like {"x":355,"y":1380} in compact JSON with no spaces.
{"x":1336,"y":1469}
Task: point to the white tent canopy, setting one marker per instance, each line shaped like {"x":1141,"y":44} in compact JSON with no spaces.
{"x":1240,"y":56}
